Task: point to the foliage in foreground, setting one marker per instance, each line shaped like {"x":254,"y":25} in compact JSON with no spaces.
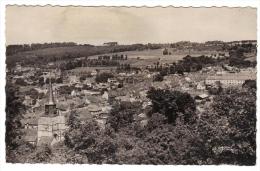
{"x":175,"y":133}
{"x":224,"y":134}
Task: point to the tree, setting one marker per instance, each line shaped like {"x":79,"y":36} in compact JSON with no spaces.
{"x":42,"y":154}
{"x":88,"y":141}
{"x":228,"y":128}
{"x":250,"y":84}
{"x":41,"y":81}
{"x":59,"y":80}
{"x":122,"y":115}
{"x":20,"y":82}
{"x":172,"y":104}
{"x":34,"y":94}
{"x":82,"y":78}
{"x":164,"y":144}
{"x":158,"y":78}
{"x":14,"y":107}
{"x":103,"y":77}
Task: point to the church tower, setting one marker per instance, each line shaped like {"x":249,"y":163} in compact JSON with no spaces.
{"x":50,"y":106}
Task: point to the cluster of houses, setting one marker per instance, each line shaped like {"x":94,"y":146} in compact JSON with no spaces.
{"x":45,"y":119}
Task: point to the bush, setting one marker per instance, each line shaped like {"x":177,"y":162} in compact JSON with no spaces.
{"x":103,"y":77}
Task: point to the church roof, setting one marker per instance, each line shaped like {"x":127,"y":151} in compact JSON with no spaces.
{"x":51,"y":120}
{"x":30,"y":135}
{"x":31,"y":121}
{"x":51,"y":97}
{"x":30,"y":138}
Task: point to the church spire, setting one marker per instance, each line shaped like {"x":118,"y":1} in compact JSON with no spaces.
{"x":51,"y":98}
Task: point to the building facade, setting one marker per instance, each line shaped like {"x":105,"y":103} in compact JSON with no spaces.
{"x":229,"y":80}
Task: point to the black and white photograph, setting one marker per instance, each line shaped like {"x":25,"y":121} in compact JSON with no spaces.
{"x":130,"y":85}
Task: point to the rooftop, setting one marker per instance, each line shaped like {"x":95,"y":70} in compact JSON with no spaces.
{"x":45,"y":141}
{"x":232,"y":77}
{"x":94,"y":108}
{"x":51,"y":120}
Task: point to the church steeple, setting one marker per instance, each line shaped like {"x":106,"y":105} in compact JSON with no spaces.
{"x":50,"y":106}
{"x":51,"y":98}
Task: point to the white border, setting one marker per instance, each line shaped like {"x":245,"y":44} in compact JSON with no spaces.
{"x":149,"y":3}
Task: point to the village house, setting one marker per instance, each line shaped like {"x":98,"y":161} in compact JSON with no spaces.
{"x":201,"y":86}
{"x":31,"y":123}
{"x":94,"y":73}
{"x":73,"y":79}
{"x":112,"y":81}
{"x":28,"y":101}
{"x":94,"y":109}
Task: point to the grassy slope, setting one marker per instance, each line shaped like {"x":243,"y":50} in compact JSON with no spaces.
{"x":147,"y":57}
{"x":82,"y":50}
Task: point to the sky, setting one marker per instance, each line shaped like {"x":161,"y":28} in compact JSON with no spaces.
{"x":96,"y":25}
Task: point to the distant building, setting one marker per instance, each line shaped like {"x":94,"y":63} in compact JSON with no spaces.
{"x":229,"y":80}
{"x":94,"y":73}
{"x":242,"y":42}
{"x":110,"y":44}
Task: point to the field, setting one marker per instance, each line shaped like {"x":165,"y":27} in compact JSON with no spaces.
{"x":138,"y":58}
{"x":149,"y":57}
{"x":61,"y":51}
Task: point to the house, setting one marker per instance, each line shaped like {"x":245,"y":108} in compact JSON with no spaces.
{"x":87,"y":101}
{"x":105,"y":95}
{"x":74,"y":93}
{"x":201,"y":86}
{"x":112,"y":80}
{"x":31,"y":123}
{"x":202,"y":96}
{"x":94,"y":73}
{"x":31,"y":139}
{"x":73,"y":79}
{"x":88,"y":92}
{"x":53,"y":127}
{"x":112,"y":95}
{"x":106,"y":109}
{"x":94,"y":109}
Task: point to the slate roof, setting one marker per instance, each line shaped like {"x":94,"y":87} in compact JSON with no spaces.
{"x":51,"y":120}
{"x":94,"y":108}
{"x":30,"y":135}
{"x":28,"y":138}
{"x":30,"y":121}
{"x":232,"y":77}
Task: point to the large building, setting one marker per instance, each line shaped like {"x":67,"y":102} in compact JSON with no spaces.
{"x":51,"y":125}
{"x":110,"y":44}
{"x":229,"y":80}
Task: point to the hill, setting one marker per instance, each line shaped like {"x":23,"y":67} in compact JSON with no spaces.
{"x":62,"y":53}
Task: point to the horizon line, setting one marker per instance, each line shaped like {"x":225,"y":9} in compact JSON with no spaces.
{"x":144,"y":43}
